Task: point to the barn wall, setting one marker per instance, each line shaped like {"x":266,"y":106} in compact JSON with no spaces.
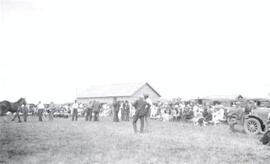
{"x":105,"y":99}
{"x":147,"y":90}
{"x":144,"y":90}
{"x":86,"y":100}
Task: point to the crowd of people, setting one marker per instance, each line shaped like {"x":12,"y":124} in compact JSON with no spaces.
{"x":175,"y":110}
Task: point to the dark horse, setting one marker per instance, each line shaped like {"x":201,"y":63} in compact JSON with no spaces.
{"x":6,"y":106}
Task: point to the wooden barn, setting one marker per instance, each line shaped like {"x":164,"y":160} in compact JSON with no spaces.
{"x":106,"y":93}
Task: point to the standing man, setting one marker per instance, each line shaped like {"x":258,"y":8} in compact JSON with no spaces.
{"x":75,"y":107}
{"x":96,"y":110}
{"x":25,"y":112}
{"x":51,"y":111}
{"x":122,"y":111}
{"x":40,"y":108}
{"x":140,"y":113}
{"x":115,"y":106}
{"x":148,"y":111}
{"x":127,"y":110}
{"x":89,"y":111}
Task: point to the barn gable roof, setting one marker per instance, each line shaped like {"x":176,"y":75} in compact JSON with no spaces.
{"x":114,"y":90}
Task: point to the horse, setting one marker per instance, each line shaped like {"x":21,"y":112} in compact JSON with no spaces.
{"x":6,"y":106}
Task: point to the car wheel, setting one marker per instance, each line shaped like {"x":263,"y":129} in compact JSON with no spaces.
{"x":252,"y":126}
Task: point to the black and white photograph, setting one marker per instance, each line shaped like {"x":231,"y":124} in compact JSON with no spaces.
{"x":134,"y":82}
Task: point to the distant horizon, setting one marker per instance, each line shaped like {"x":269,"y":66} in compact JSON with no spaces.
{"x":71,"y":99}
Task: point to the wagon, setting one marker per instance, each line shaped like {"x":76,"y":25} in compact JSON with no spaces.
{"x":253,"y":123}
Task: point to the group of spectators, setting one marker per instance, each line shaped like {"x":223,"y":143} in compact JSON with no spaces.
{"x":42,"y":110}
{"x":143,"y":109}
{"x":140,"y":109}
{"x":197,"y":112}
{"x":123,"y":110}
{"x":188,"y":111}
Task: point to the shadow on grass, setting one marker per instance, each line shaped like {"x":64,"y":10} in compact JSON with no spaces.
{"x":238,"y":129}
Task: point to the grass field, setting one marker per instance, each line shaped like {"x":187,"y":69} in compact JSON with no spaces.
{"x":63,"y":141}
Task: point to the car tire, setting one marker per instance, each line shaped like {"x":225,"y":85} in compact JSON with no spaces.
{"x":252,"y":126}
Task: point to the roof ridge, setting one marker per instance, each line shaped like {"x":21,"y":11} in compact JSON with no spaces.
{"x":111,"y":90}
{"x":117,"y":84}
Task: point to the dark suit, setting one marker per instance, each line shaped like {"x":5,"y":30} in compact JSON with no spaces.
{"x":89,"y":111}
{"x":141,"y":111}
{"x":116,"y":107}
{"x":122,"y":112}
{"x":96,"y":110}
{"x":25,"y":113}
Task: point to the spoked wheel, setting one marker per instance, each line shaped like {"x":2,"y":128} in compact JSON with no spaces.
{"x":252,"y":126}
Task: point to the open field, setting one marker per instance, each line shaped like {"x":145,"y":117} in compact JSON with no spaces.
{"x":63,"y":141}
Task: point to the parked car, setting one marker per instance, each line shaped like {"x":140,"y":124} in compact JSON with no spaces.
{"x":253,"y":123}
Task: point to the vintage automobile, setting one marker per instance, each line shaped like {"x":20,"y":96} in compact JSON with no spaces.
{"x":255,"y":122}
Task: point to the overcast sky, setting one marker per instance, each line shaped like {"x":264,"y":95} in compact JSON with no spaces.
{"x":189,"y":48}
